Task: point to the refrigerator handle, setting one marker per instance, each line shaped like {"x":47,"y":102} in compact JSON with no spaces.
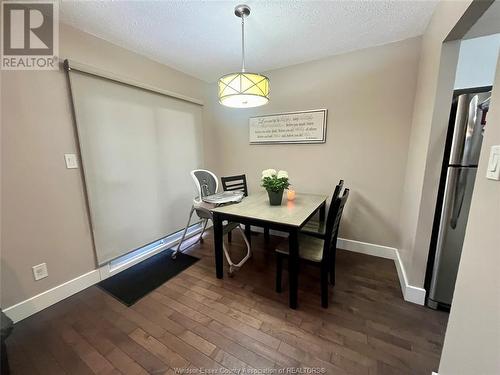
{"x":459,"y":129}
{"x":458,"y":198}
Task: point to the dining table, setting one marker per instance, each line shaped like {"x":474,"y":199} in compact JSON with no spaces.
{"x":288,"y":217}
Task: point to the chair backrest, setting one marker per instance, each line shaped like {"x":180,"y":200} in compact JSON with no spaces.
{"x":235,"y":183}
{"x":337,"y":191}
{"x":205,"y":181}
{"x":333,"y":222}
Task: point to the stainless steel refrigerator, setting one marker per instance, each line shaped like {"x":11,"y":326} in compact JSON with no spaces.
{"x":460,"y":173}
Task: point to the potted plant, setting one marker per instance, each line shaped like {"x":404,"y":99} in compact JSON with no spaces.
{"x":275,"y":183}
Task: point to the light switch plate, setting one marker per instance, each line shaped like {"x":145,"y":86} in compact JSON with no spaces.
{"x":40,"y":271}
{"x":493,"y":172}
{"x":71,"y":161}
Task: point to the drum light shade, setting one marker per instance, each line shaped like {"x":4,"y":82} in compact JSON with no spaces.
{"x":243,"y":90}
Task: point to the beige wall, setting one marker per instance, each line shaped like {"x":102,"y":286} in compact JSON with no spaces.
{"x":427,"y":138}
{"x":472,"y":342}
{"x":369,"y":96}
{"x":487,"y":24}
{"x":44,"y":217}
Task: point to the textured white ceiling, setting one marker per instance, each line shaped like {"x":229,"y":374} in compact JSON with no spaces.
{"x":202,"y":38}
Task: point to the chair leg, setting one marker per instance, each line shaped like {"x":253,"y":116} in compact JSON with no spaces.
{"x":266,"y":235}
{"x":324,"y":285}
{"x":205,"y":222}
{"x":174,"y":254}
{"x":229,"y":236}
{"x":333,"y":256}
{"x":4,"y":369}
{"x":279,"y":271}
{"x":232,"y":266}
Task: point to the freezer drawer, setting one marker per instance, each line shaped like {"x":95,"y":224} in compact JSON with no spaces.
{"x":455,"y":212}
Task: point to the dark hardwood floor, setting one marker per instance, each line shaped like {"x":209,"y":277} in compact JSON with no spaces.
{"x":197,"y":321}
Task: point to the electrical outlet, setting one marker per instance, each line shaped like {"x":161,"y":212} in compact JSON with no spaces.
{"x":40,"y":271}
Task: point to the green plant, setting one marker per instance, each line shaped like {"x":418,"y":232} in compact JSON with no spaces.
{"x":274,"y":181}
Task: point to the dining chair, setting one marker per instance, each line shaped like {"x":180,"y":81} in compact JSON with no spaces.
{"x":239,"y":182}
{"x":313,"y":250}
{"x":234,"y":183}
{"x":315,"y":226}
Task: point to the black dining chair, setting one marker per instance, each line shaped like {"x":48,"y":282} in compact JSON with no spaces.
{"x":317,"y":251}
{"x":315,"y":226}
{"x":235,"y":183}
{"x":239,"y":183}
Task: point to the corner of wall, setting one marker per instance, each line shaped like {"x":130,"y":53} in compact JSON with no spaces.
{"x":436,"y":74}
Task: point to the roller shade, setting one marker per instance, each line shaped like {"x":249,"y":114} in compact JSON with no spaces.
{"x":137,"y":150}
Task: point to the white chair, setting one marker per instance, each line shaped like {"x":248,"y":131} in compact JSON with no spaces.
{"x":207,"y":184}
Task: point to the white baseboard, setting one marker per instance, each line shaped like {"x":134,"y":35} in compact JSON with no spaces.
{"x":45,"y":299}
{"x":366,"y":248}
{"x":410,"y":293}
{"x":41,"y":301}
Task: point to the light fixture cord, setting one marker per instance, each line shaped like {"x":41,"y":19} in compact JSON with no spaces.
{"x":242,"y":42}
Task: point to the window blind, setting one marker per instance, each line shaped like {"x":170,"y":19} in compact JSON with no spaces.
{"x":137,"y":149}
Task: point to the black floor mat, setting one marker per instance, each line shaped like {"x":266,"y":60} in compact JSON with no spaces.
{"x":131,"y":285}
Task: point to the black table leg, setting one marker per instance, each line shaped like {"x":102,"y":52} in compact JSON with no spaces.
{"x":322,"y":211}
{"x":293,"y":266}
{"x":218,"y":243}
{"x":266,"y":234}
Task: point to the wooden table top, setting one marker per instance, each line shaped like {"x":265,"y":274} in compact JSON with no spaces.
{"x":293,"y":213}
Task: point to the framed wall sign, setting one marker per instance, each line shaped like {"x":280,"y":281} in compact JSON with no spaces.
{"x":290,"y":127}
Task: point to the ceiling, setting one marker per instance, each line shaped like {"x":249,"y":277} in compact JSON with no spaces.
{"x":202,"y":38}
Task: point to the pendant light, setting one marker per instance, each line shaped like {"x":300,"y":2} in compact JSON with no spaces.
{"x":242,"y":89}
